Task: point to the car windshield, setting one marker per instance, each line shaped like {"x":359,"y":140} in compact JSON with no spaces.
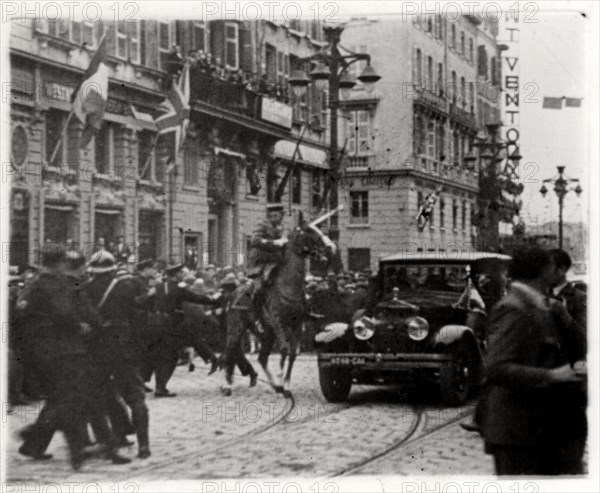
{"x":439,"y":277}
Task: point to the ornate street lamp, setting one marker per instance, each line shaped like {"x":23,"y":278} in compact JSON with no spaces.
{"x":331,"y":67}
{"x":562,"y":186}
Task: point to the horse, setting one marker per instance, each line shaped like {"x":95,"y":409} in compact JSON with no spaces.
{"x":282,"y":309}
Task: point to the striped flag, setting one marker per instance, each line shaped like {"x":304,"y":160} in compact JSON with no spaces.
{"x":552,"y":103}
{"x":427,"y":208}
{"x":90,"y":96}
{"x":470,"y":299}
{"x":573,"y":103}
{"x":176,"y":109}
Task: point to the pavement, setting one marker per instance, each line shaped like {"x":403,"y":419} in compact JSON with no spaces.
{"x":200,"y":434}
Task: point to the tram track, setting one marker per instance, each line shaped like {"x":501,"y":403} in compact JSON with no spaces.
{"x":417,"y":432}
{"x":218,"y":447}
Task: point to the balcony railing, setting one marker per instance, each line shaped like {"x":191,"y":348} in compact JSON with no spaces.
{"x":462,"y":115}
{"x":358,"y":161}
{"x":431,"y":100}
{"x":450,"y":172}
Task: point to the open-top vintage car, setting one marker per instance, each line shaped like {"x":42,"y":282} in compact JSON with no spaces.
{"x":425,"y":323}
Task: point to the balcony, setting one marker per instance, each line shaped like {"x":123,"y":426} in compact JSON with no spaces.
{"x":447,"y":172}
{"x":431,"y":100}
{"x":463,"y":116}
{"x":221,"y":96}
{"x":353,"y":162}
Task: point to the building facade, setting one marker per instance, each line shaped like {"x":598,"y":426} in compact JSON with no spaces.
{"x":409,"y":137}
{"x":200,"y":206}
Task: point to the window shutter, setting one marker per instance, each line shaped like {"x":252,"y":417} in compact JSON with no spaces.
{"x":245,"y":46}
{"x":143,"y":43}
{"x":151,"y":40}
{"x":414,"y":75}
{"x":482,"y":62}
{"x":109,"y":29}
{"x":217,"y":40}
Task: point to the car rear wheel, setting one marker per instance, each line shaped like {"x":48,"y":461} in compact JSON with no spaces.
{"x":459,"y":378}
{"x":335,"y":383}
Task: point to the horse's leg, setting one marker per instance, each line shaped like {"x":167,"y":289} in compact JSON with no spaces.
{"x":266,"y":346}
{"x":235,"y":331}
{"x":293,"y":340}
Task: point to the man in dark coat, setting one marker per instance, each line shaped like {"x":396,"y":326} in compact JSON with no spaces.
{"x":168,"y":300}
{"x":574,"y":299}
{"x":117,"y":344}
{"x":59,"y":318}
{"x":532,"y":389}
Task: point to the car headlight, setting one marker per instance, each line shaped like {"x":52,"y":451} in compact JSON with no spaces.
{"x":362,"y":331}
{"x":417,"y":328}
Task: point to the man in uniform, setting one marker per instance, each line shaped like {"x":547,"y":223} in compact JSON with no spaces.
{"x":265,"y":253}
{"x":117,"y":340}
{"x":168,"y":300}
{"x":59,"y":318}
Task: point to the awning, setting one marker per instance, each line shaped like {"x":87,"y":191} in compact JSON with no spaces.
{"x":112,"y":212}
{"x":308,"y":155}
{"x":54,"y":207}
{"x":220,"y":150}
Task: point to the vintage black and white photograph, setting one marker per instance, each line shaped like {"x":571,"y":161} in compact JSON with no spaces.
{"x":299,"y":246}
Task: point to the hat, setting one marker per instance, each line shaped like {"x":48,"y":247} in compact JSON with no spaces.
{"x":102,"y":261}
{"x":145,"y":264}
{"x":275,"y":207}
{"x":121,"y":270}
{"x":190,"y":279}
{"x":229,"y":280}
{"x":23,"y":268}
{"x":346,"y":277}
{"x":174,"y":269}
{"x":210,"y":266}
{"x":52,"y":254}
{"x":198,"y":284}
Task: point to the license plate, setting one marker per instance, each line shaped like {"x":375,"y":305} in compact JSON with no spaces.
{"x":347,"y":360}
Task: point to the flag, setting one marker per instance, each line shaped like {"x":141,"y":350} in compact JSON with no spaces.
{"x":470,"y":299}
{"x":176,"y":109}
{"x":553,"y":103}
{"x":573,"y":102}
{"x":90,"y":96}
{"x":426,"y":209}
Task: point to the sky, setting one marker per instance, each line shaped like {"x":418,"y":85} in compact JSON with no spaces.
{"x":552,"y":54}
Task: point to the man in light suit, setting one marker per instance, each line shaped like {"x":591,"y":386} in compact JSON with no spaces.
{"x":532,"y":419}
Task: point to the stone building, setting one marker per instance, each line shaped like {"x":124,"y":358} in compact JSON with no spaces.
{"x":200,"y":207}
{"x":409,"y":136}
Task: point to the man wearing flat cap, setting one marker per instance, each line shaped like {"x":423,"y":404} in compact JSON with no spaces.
{"x":265,"y":250}
{"x":168,"y":300}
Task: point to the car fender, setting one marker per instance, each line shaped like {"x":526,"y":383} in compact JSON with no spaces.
{"x":331,"y":332}
{"x":452,"y":333}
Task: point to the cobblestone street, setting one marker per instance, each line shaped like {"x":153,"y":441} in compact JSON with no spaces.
{"x":254,"y":433}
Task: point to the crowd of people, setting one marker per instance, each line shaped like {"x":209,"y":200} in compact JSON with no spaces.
{"x":206,"y":69}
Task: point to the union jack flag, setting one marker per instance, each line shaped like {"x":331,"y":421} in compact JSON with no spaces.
{"x":176,"y":109}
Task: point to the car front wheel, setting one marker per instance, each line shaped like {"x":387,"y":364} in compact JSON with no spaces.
{"x":335,"y":383}
{"x":459,"y":378}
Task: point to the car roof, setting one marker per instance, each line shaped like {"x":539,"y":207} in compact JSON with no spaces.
{"x":444,"y":257}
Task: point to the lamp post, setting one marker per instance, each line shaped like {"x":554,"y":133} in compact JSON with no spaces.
{"x":562,"y":186}
{"x":492,"y":182}
{"x":331,"y":66}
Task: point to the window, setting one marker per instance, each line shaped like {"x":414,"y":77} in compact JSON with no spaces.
{"x":198,"y":35}
{"x":454,"y":87}
{"x":149,"y":236}
{"x":463,"y":213}
{"x":75,"y":32}
{"x":440,"y":80}
{"x":316,"y":188}
{"x":471,"y":97}
{"x":165,"y":42}
{"x":454,"y":214}
{"x":430,"y":151}
{"x":55,"y":121}
{"x":146,"y":155}
{"x":442,"y":214}
{"x":429,"y":24}
{"x":462,"y":43}
{"x":429,"y":73}
{"x":453,"y":36}
{"x":191,"y":163}
{"x":441,"y":142}
{"x":438,"y":27}
{"x":231,"y":45}
{"x":471,"y":50}
{"x":121,"y":40}
{"x":103,"y":149}
{"x":419,"y":140}
{"x":463,"y":92}
{"x":58,"y":223}
{"x":271,"y":62}
{"x":134,"y":47}
{"x":297,"y":186}
{"x":456,"y":146}
{"x":359,"y":203}
{"x":359,"y":133}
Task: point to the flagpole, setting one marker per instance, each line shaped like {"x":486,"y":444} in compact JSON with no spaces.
{"x":62,"y":136}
